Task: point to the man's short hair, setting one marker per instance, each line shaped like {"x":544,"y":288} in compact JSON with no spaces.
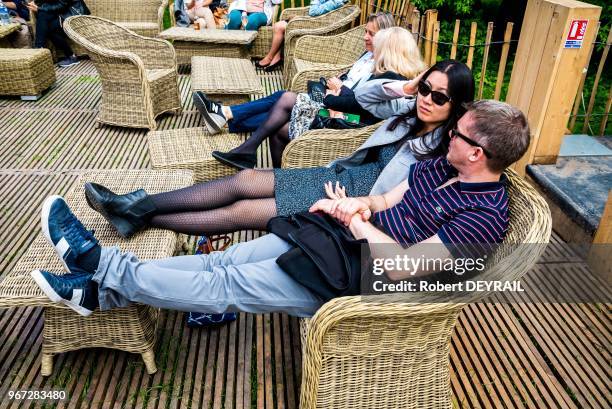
{"x":502,"y":129}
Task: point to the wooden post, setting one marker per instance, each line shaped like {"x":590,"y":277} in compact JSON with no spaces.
{"x":545,"y":75}
{"x":600,"y":68}
{"x":600,"y":258}
{"x":453,"y":54}
{"x":485,"y":58}
{"x":431,"y":16}
{"x":470,"y":57}
{"x":502,"y":62}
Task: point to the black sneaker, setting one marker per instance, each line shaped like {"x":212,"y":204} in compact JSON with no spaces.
{"x":68,"y":61}
{"x":64,"y":232}
{"x":76,"y":290}
{"x":211,"y":112}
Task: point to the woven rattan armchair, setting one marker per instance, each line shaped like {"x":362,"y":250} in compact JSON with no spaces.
{"x":325,"y":56}
{"x":331,"y":23}
{"x":138,"y":74}
{"x":368,"y":352}
{"x":145,"y":17}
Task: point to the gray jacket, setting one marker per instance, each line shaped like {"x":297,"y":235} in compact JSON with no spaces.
{"x":373,"y":97}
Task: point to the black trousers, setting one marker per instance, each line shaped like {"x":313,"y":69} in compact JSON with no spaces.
{"x":48,"y":27}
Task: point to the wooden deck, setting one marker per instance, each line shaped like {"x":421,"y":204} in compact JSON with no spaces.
{"x":521,"y":355}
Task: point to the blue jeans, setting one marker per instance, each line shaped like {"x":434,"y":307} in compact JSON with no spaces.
{"x":245,"y":277}
{"x":255,"y":20}
{"x":248,"y":116}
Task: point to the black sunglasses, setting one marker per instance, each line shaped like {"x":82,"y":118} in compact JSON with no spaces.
{"x":455,"y":133}
{"x":437,"y":97}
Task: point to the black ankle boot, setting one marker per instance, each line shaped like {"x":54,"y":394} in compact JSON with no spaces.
{"x":128,"y":213}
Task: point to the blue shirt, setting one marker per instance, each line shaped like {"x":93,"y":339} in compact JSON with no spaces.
{"x":460,"y":213}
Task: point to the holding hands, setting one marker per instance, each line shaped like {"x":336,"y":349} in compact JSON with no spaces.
{"x":32,"y":6}
{"x":334,"y":84}
{"x":341,"y":207}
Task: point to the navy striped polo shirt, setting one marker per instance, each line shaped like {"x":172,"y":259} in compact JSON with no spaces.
{"x":459,"y":213}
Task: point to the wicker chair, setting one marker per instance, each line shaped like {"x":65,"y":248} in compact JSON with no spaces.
{"x":334,"y":22}
{"x":138,"y":74}
{"x":325,"y":56}
{"x":145,"y":17}
{"x":368,"y":352}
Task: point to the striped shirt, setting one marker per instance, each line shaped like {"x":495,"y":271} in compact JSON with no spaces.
{"x":459,"y":213}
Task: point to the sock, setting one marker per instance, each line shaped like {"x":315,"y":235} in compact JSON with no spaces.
{"x":89,"y":260}
{"x":227,"y":111}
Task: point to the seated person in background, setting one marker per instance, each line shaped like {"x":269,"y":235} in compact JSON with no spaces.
{"x":199,"y":10}
{"x":453,"y":200}
{"x":396,"y":56}
{"x":48,"y":27}
{"x":417,"y":129}
{"x":274,"y":58}
{"x":248,"y":116}
{"x":18,"y":8}
{"x":259,"y":13}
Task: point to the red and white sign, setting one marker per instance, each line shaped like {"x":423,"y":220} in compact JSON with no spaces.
{"x":576,"y":33}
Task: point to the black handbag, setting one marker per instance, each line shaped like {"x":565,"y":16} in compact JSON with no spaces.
{"x":326,"y":122}
{"x":316,"y":90}
{"x":76,"y":8}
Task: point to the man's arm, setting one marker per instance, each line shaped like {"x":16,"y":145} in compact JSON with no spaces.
{"x":386,"y":248}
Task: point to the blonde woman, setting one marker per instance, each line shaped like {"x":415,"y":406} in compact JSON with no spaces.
{"x":395,"y":57}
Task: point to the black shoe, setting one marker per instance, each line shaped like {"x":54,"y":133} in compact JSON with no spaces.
{"x":236,"y":160}
{"x":211,"y":112}
{"x":274,"y":66}
{"x":258,"y":65}
{"x":127,"y":213}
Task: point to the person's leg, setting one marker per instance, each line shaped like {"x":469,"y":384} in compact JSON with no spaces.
{"x":58,"y":37}
{"x":234,"y":20}
{"x":133,"y":211}
{"x":243,"y":214}
{"x":207,"y":15}
{"x":248,"y":116}
{"x":244,"y":280}
{"x":43,"y":20}
{"x":279,"y":117}
{"x":256,"y":20}
{"x":278,"y":143}
{"x":278,"y":37}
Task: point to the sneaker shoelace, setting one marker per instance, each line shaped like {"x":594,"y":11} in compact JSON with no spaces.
{"x":75,"y":231}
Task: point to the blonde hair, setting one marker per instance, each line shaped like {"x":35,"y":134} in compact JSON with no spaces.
{"x":395,"y":50}
{"x":382,"y":20}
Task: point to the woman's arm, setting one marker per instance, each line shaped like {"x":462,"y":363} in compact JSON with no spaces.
{"x":377,"y":99}
{"x":320,"y":7}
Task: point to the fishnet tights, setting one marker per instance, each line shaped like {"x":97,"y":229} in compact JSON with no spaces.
{"x":242,"y":201}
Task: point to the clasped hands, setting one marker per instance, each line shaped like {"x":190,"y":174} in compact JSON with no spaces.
{"x":343,"y":208}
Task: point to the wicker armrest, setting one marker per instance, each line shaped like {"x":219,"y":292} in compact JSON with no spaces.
{"x":291,"y":12}
{"x":321,"y":146}
{"x":360,"y":351}
{"x":299,"y":82}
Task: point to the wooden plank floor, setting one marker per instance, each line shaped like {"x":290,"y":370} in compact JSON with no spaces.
{"x":519,"y":355}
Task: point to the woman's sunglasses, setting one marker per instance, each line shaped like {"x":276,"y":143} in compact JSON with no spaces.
{"x":437,"y":97}
{"x":455,"y":133}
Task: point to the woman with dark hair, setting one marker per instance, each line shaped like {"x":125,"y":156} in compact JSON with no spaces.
{"x":416,"y":128}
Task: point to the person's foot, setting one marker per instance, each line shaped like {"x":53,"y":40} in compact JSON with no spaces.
{"x":211,"y":112}
{"x":263,"y":63}
{"x":68,"y":61}
{"x":274,"y":65}
{"x":76,"y":290}
{"x":65,"y":233}
{"x":127,"y":213}
{"x":236,"y":160}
